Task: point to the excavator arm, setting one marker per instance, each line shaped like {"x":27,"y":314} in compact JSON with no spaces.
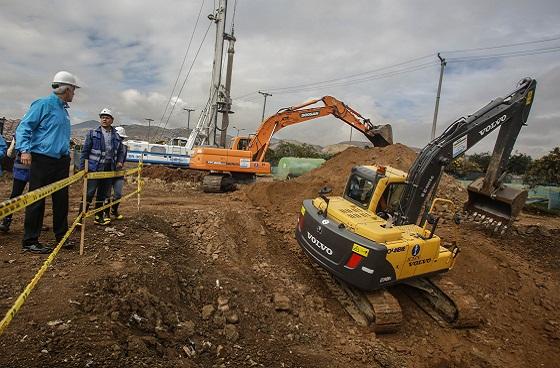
{"x":486,"y":195}
{"x":379,"y":135}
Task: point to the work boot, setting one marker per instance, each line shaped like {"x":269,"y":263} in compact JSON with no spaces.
{"x":36,"y":247}
{"x":100,"y":219}
{"x":5,"y":224}
{"x":115,"y":212}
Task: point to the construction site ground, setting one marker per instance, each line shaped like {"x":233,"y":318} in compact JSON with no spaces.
{"x":218,"y":280}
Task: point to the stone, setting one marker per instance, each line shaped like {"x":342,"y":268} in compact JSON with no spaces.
{"x":222,"y":300}
{"x":232,"y":317}
{"x":207,"y":311}
{"x":281,"y":302}
{"x":230,"y":332}
{"x":219,"y":320}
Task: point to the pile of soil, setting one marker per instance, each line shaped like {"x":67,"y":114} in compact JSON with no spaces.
{"x":168,"y":174}
{"x":287,"y":196}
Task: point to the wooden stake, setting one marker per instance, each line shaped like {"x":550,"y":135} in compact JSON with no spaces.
{"x":139,"y":178}
{"x":83,"y":212}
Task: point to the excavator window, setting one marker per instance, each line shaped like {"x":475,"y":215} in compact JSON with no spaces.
{"x":360,"y":190}
{"x":389,"y":201}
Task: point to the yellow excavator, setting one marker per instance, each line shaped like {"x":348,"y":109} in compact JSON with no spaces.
{"x":382,"y":231}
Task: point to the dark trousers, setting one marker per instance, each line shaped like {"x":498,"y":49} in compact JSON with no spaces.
{"x":18,"y":186}
{"x":100,"y":188}
{"x":44,"y":171}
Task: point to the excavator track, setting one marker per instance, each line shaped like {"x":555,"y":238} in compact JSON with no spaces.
{"x":379,"y":309}
{"x":212,"y":183}
{"x":447,"y":303}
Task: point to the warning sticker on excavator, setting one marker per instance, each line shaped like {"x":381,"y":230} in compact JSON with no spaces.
{"x":244,"y":163}
{"x":363,"y":251}
{"x":529,"y":98}
{"x":459,"y":146}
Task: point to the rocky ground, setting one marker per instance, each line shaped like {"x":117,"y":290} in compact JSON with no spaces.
{"x":218,"y":280}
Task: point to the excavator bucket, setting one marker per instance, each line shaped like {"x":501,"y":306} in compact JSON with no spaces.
{"x":380,"y":135}
{"x":495,"y":210}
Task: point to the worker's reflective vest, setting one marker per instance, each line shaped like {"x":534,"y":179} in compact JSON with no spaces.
{"x":96,"y":152}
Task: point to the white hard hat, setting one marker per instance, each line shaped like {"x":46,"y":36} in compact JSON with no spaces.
{"x":121,"y":132}
{"x":106,"y":111}
{"x":63,"y":77}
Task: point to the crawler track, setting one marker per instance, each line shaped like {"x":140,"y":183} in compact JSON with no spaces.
{"x":379,"y":310}
{"x":447,"y":303}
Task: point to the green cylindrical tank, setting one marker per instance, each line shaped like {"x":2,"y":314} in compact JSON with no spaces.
{"x":291,"y":167}
{"x":554,"y":199}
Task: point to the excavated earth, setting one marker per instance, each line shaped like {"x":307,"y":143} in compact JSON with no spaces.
{"x":217,"y":280}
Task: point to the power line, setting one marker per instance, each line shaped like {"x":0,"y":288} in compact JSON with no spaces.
{"x":183,"y":63}
{"x":503,"y":46}
{"x":187,"y":77}
{"x":351,"y":79}
{"x":278,"y":90}
{"x":506,"y":55}
{"x":354,"y":75}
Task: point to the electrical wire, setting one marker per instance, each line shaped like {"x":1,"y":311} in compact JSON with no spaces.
{"x":505,"y":55}
{"x":502,"y":46}
{"x":186,"y":78}
{"x":182,"y":64}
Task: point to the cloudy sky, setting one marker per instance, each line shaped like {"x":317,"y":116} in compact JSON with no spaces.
{"x":128,"y":53}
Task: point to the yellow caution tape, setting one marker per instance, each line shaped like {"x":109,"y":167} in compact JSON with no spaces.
{"x":18,"y":203}
{"x":97,"y":210}
{"x":111,"y":174}
{"x":25,"y":294}
{"x":22,"y":201}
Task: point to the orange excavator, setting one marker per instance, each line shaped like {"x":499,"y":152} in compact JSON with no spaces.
{"x":245,"y":159}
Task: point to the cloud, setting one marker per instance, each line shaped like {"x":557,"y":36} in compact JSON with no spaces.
{"x":128,"y":54}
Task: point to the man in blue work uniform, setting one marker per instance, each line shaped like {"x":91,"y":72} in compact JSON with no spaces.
{"x":43,"y":138}
{"x":104,"y":151}
{"x":2,"y":150}
{"x":20,"y":179}
{"x":118,"y":182}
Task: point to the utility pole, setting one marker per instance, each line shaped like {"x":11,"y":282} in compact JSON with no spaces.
{"x":350,"y":134}
{"x":226,"y":100}
{"x":443,"y":63}
{"x":149,"y":125}
{"x":188,"y":118}
{"x":264,"y":105}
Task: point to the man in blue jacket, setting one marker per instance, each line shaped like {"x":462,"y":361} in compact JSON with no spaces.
{"x":20,"y":179}
{"x":104,"y":151}
{"x":2,"y":150}
{"x":43,"y":139}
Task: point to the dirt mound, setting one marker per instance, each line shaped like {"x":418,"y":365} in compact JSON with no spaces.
{"x":287,"y":196}
{"x":171,"y":174}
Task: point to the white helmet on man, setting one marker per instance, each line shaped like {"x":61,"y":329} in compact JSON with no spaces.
{"x":106,"y":111}
{"x":64,"y":78}
{"x":121,"y":132}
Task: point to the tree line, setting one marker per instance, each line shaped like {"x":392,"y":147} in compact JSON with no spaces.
{"x":542,"y":171}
